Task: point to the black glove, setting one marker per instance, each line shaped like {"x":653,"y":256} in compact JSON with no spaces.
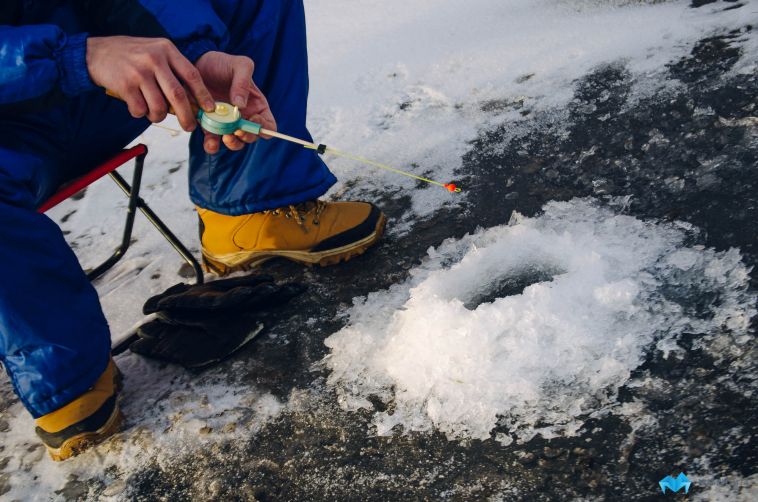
{"x":202,"y":324}
{"x":193,"y":347}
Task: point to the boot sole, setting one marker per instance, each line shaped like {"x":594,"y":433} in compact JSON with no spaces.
{"x":226,"y":264}
{"x":77,"y":444}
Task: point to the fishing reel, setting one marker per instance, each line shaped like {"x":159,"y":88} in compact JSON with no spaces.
{"x":226,"y":119}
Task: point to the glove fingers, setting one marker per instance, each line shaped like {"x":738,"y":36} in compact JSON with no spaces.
{"x":235,"y":282}
{"x":153,"y":330}
{"x":193,"y":317}
{"x":241,"y":297}
{"x":174,"y":295}
{"x":182,"y":345}
{"x":272,"y":296}
{"x":290,"y":290}
{"x":201,"y":307}
{"x":214,"y":295}
{"x":151,"y":305}
{"x":239,"y":301}
{"x":206,"y":300}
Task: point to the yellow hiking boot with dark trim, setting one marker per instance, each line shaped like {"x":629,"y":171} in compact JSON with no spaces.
{"x":311,"y":232}
{"x":84,"y":422}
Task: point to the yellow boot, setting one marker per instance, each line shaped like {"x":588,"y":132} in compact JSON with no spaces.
{"x":312,"y":232}
{"x":84,"y":422}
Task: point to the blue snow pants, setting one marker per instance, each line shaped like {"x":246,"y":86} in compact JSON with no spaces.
{"x":54,"y":339}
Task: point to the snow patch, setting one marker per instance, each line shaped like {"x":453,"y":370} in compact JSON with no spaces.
{"x":532,"y":325}
{"x":732,"y":488}
{"x":411,"y":84}
{"x":169,"y":414}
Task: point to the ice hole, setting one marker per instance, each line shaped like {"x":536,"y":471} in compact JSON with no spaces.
{"x":513,"y":283}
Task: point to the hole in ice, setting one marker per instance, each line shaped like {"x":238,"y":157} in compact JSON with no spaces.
{"x":532,"y":325}
{"x":511,"y":284}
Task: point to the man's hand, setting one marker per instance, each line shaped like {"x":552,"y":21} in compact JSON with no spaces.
{"x":230,"y":79}
{"x":149,"y":74}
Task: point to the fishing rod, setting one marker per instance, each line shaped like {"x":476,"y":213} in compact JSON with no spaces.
{"x":226,"y":119}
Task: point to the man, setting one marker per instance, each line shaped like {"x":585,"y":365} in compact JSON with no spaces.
{"x":254,"y":202}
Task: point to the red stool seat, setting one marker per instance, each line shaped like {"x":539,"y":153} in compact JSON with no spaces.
{"x":138,"y":152}
{"x":106,"y":167}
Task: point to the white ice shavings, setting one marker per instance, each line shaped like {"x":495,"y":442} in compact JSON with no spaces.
{"x":460,"y":348}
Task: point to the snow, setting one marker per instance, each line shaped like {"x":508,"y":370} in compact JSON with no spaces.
{"x":728,"y":489}
{"x":411,"y":83}
{"x":536,"y":322}
{"x":168,"y":414}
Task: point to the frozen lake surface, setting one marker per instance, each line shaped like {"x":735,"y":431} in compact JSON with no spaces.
{"x":577,"y":324}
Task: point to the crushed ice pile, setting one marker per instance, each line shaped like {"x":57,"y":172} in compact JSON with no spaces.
{"x":534,"y":324}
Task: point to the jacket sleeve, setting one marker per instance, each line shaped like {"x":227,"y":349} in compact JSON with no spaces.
{"x":192,"y":25}
{"x":41,"y":61}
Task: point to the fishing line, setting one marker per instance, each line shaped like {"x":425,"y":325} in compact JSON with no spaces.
{"x":325,"y":149}
{"x":227,"y":119}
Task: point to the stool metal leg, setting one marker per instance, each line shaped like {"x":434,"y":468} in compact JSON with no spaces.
{"x":126,"y":240}
{"x":136,"y":202}
{"x":131,"y":192}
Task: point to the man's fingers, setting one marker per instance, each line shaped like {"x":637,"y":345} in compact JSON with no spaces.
{"x":266,"y":121}
{"x":258,"y":100}
{"x":258,"y":105}
{"x":136,"y":103}
{"x":232,"y":142}
{"x":211,"y":143}
{"x":242,"y":77}
{"x":190,"y":75}
{"x":246,"y":137}
{"x":177,"y":96}
{"x":156,"y":103}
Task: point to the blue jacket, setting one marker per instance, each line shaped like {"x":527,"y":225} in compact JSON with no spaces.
{"x":42,"y":62}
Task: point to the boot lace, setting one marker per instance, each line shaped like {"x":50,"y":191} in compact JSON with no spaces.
{"x":300,"y":212}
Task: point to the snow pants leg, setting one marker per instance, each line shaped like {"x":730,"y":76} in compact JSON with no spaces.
{"x":54,"y":339}
{"x":267,"y":174}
